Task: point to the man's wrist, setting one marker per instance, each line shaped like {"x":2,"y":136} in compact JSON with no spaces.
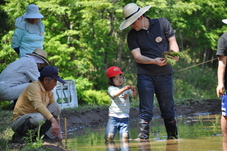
{"x":220,"y":83}
{"x":52,"y":119}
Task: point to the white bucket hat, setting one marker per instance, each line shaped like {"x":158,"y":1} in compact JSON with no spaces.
{"x":131,"y":13}
{"x":32,"y":12}
{"x":224,"y":21}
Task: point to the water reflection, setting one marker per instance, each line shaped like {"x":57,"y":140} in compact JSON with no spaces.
{"x":201,"y":133}
{"x":224,"y":143}
{"x":111,"y":146}
{"x":172,"y":145}
{"x":143,"y":145}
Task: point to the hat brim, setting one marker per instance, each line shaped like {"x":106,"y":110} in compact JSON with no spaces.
{"x":58,"y":79}
{"x":224,"y":21}
{"x":39,"y":56}
{"x":133,"y":18}
{"x":33,"y":16}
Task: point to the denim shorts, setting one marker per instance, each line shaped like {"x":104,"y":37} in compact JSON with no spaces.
{"x":117,"y":124}
{"x":224,"y":105}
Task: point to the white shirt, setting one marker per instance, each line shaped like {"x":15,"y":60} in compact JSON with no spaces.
{"x":119,"y":105}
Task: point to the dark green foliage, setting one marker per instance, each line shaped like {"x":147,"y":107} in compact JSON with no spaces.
{"x":6,"y":105}
{"x":83,"y":39}
{"x":3,"y":144}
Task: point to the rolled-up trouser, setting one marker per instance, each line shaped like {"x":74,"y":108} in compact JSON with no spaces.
{"x":36,"y":118}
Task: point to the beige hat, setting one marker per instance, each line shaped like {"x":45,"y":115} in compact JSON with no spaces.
{"x":131,"y":13}
{"x":224,"y":21}
{"x":40,"y":53}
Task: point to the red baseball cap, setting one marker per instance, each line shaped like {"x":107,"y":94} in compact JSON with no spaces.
{"x":112,"y":71}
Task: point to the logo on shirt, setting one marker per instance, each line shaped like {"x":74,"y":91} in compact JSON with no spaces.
{"x":158,"y":39}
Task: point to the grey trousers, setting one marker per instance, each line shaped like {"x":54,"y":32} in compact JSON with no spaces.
{"x":36,"y":118}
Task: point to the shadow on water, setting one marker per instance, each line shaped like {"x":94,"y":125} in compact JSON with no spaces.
{"x":196,"y":133}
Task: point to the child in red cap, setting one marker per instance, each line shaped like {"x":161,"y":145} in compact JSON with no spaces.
{"x":120,"y":106}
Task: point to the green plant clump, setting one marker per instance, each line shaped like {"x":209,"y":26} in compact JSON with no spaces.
{"x":170,"y":54}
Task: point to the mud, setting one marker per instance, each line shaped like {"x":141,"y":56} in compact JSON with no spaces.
{"x":78,"y":120}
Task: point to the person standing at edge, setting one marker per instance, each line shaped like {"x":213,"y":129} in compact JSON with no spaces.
{"x":222,"y":85}
{"x":29,"y":32}
{"x":147,"y":40}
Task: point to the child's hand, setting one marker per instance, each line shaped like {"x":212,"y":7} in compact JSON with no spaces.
{"x":133,"y":88}
{"x":127,"y":87}
{"x":134,"y":91}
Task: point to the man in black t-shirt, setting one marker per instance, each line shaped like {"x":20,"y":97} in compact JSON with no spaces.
{"x":147,"y":40}
{"x":222,"y":78}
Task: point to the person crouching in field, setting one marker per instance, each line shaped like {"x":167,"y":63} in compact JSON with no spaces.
{"x":35,"y":104}
{"x":120,"y":106}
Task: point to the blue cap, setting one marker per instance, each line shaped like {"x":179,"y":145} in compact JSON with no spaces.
{"x":50,"y":71}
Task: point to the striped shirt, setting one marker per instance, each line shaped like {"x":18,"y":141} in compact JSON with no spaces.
{"x":119,"y":105}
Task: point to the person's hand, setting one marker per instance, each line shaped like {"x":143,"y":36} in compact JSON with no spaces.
{"x":174,"y":58}
{"x":220,"y":90}
{"x":160,"y":61}
{"x":133,"y":88}
{"x":56,"y":131}
{"x":127,"y":87}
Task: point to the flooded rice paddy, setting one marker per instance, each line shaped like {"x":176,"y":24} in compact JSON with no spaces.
{"x":196,"y":133}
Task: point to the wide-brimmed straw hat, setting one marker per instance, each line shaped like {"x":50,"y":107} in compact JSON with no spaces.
{"x":40,"y":53}
{"x":224,"y":21}
{"x":32,"y":12}
{"x":131,"y":13}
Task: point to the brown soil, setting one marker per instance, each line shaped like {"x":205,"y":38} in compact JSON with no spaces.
{"x":77,"y":120}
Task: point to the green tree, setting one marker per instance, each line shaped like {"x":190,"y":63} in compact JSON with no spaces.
{"x":83,"y":39}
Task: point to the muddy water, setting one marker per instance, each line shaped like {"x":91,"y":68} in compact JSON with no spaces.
{"x":196,"y":133}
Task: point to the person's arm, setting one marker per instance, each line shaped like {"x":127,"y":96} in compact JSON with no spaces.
{"x":56,"y":130}
{"x":16,"y":39}
{"x":146,"y":60}
{"x":173,"y":46}
{"x":221,"y":75}
{"x":55,"y":120}
{"x":134,"y":94}
{"x":120,"y":91}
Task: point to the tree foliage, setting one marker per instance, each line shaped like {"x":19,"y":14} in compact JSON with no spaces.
{"x":83,"y":39}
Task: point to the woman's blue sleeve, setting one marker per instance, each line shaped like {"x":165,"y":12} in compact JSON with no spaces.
{"x":17,"y":36}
